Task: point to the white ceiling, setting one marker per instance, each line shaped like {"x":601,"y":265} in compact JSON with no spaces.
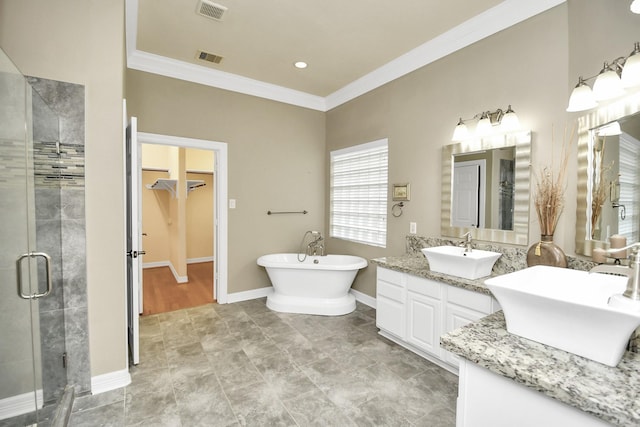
{"x":351,"y":46}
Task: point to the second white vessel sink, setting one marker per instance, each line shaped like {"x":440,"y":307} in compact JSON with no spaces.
{"x":454,"y":261}
{"x":576,"y":311}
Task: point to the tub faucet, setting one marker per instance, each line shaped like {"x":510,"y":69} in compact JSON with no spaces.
{"x":632,"y":272}
{"x":316,"y":247}
{"x":467,"y":242}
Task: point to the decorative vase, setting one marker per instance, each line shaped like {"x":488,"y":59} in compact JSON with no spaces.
{"x":545,"y":252}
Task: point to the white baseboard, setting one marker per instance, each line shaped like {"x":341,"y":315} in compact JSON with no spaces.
{"x":201,"y":259}
{"x":179,"y":279}
{"x":249,"y":295}
{"x":156,"y":264}
{"x":110,"y":381}
{"x":364,"y":298}
{"x":19,"y":404}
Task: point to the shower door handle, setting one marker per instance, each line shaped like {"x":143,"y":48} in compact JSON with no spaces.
{"x":47,"y":263}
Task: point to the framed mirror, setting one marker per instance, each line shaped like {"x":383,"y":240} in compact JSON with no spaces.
{"x":608,"y":197}
{"x":485,"y":188}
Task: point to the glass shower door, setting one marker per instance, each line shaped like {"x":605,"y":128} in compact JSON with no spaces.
{"x":29,"y":260}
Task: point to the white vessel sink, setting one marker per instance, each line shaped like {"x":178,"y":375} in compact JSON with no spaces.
{"x":572,"y":310}
{"x":454,"y":261}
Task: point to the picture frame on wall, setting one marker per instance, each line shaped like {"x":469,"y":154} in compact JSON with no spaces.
{"x":401,"y":192}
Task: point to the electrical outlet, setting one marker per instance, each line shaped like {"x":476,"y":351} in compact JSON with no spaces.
{"x":413,"y":228}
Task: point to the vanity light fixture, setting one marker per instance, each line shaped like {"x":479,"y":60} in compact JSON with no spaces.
{"x":507,"y":120}
{"x":615,"y":76}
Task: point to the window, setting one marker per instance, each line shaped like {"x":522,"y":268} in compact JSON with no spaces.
{"x":359,"y":183}
{"x":628,"y":213}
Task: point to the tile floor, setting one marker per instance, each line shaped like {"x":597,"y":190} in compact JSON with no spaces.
{"x":242,"y":364}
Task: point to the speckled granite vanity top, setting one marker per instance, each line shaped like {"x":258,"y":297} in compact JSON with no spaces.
{"x":418,"y":266}
{"x":611,"y":394}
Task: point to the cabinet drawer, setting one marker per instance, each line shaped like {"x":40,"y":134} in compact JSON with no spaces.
{"x":390,"y":276}
{"x":472,"y":300}
{"x":424,"y":287}
{"x":391,"y":291}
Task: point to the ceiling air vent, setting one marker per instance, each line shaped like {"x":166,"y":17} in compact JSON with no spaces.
{"x":211,"y":10}
{"x":210,"y":57}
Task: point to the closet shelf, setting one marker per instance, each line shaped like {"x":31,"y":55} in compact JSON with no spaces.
{"x":170,"y":185}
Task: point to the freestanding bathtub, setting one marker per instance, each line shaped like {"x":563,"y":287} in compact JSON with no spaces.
{"x":318,"y":285}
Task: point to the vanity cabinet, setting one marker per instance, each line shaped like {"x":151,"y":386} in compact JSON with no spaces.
{"x":423,"y":317}
{"x":390,"y":302}
{"x":414,"y":312}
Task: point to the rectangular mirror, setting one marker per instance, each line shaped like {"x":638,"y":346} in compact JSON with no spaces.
{"x":608,"y":175}
{"x":485,"y":188}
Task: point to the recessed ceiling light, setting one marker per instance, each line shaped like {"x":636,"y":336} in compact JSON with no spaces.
{"x":300,"y":64}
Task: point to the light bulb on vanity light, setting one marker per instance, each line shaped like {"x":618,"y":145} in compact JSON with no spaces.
{"x":607,"y":84}
{"x":581,"y":98}
{"x":635,"y":6}
{"x":510,"y":121}
{"x":631,"y":71}
{"x":483,"y":128}
{"x":461,"y":132}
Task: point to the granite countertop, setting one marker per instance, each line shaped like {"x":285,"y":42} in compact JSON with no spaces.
{"x":609,"y":393}
{"x":419,"y":266}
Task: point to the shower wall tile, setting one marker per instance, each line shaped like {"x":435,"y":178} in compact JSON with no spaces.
{"x":59,"y":166}
{"x":72,"y":201}
{"x":53,"y":342}
{"x":47,"y":127}
{"x":74,"y":262}
{"x":78,"y":363}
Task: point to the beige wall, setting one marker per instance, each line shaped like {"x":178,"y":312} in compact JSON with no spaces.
{"x":81,"y":42}
{"x":155,"y":218}
{"x":200,"y":217}
{"x":532,"y":66}
{"x":276,"y":162}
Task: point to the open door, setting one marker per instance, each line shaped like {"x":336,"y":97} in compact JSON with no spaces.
{"x":466,"y":198}
{"x":133,"y":219}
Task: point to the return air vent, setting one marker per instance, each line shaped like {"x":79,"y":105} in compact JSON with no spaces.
{"x":211,"y":10}
{"x":209,"y":57}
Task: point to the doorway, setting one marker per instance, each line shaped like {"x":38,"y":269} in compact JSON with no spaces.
{"x":177,"y":230}
{"x":219,"y":218}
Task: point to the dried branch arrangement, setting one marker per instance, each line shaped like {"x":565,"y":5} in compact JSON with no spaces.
{"x":550,"y":188}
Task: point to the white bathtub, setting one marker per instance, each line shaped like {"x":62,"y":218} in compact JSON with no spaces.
{"x":318,"y":285}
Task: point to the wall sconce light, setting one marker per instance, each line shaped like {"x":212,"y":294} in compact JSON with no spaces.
{"x":507,"y":120}
{"x":620,"y":74}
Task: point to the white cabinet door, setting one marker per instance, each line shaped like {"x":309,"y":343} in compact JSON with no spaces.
{"x":390,"y":316}
{"x":390,"y":302}
{"x":423,"y":322}
{"x":457,"y":317}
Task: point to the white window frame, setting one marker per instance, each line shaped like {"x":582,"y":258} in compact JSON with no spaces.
{"x":359,"y":185}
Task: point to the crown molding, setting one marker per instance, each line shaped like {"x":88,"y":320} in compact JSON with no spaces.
{"x":156,"y":64}
{"x":498,"y":18}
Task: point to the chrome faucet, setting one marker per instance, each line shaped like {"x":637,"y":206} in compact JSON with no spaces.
{"x":467,"y":243}
{"x":316,"y":247}
{"x":632,"y":272}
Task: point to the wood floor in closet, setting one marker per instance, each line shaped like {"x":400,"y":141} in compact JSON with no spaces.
{"x":162,"y":293}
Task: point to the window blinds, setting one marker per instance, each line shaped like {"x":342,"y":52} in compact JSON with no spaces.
{"x":629,"y":188}
{"x":359,"y":183}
